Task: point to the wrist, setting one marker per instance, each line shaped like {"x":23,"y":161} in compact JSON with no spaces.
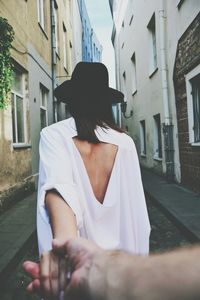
{"x":108,"y":275}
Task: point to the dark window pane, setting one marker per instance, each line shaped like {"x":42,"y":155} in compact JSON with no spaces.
{"x":43,"y":118}
{"x":196,"y":107}
{"x":13,"y":119}
{"x":20,"y":119}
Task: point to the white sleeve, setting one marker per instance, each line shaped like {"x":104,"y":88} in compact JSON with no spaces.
{"x":55,"y":172}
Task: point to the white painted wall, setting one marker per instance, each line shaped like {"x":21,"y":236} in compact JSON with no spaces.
{"x":134,"y":37}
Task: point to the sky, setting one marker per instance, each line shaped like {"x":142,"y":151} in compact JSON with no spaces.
{"x":101,"y":21}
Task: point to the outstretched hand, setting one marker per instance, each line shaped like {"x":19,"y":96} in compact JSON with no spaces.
{"x":63,"y":271}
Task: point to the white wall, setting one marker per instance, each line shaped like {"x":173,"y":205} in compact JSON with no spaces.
{"x":148,"y":100}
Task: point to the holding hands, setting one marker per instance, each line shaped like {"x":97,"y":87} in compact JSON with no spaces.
{"x":63,"y":272}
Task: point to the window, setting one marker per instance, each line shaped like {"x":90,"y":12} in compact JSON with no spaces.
{"x":193,"y":105}
{"x":94,"y":48}
{"x":18,"y":125}
{"x":56,"y":26}
{"x":124,"y":85}
{"x":196,"y":107}
{"x":179,"y":3}
{"x":43,"y":106}
{"x":85,"y":53}
{"x":41,"y":13}
{"x":152,"y":40}
{"x":134,"y":83}
{"x":131,"y":19}
{"x":157,"y":137}
{"x":64,"y":47}
{"x":142,"y":138}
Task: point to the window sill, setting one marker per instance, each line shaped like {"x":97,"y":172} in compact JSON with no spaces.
{"x":66,"y":70}
{"x":21,"y":146}
{"x":195,"y":144}
{"x":42,"y":29}
{"x":143,"y":155}
{"x":134,"y":92}
{"x":153,"y":72}
{"x":180,"y":2}
{"x":157,"y":158}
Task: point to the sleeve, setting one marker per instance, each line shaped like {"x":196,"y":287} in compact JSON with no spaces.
{"x":55,"y":172}
{"x":139,"y":208}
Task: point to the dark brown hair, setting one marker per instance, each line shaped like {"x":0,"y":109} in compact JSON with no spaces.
{"x":89,"y":113}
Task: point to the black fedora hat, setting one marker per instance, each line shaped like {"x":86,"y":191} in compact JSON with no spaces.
{"x":89,"y":80}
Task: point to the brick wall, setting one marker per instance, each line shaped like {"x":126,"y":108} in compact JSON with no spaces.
{"x":187,"y":58}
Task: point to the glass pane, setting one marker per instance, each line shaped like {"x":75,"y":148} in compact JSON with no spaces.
{"x":20,"y":119}
{"x":13,"y":118}
{"x":43,"y":97}
{"x":196,"y":108}
{"x":43,"y":118}
{"x":17,"y":82}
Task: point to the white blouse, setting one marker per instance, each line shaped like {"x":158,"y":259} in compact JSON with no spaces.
{"x":121,"y":222}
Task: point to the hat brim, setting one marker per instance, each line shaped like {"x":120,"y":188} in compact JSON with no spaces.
{"x":65,"y":92}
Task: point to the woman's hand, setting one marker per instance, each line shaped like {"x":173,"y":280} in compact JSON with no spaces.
{"x":54,"y":278}
{"x":49,"y":276}
{"x":81,"y":254}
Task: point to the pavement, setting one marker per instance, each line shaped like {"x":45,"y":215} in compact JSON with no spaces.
{"x":17,"y":230}
{"x":179,"y":204}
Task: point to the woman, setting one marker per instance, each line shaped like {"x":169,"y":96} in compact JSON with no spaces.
{"x":89,"y":179}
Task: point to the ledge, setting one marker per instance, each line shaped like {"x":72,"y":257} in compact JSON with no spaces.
{"x":21,"y":146}
{"x":153,"y":72}
{"x":43,"y":31}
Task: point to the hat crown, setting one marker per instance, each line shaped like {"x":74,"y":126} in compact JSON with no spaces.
{"x":89,"y":81}
{"x":90,"y":76}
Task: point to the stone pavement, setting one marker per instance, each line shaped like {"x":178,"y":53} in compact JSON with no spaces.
{"x":17,"y":229}
{"x":181,"y":205}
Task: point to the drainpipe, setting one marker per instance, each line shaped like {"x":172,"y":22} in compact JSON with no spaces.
{"x":167,"y":126}
{"x":53,"y":59}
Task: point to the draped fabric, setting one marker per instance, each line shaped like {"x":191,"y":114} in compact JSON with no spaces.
{"x":121,"y":222}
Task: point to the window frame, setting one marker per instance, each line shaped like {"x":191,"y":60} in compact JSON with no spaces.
{"x":42,"y":107}
{"x":153,"y":53}
{"x":65,"y":55}
{"x":143,"y":144}
{"x":56,"y":19}
{"x":188,"y":78}
{"x":41,"y":14}
{"x":21,"y":95}
{"x":134,"y":73}
{"x":157,"y":138}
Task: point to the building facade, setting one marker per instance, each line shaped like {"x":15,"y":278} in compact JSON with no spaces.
{"x":154,"y":45}
{"x":42,"y":55}
{"x":91,"y":48}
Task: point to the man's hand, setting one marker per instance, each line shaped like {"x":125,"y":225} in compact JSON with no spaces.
{"x":64,"y":271}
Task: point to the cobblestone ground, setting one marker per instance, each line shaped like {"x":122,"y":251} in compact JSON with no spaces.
{"x":164,"y":236}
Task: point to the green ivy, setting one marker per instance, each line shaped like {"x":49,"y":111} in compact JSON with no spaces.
{"x":6,"y":38}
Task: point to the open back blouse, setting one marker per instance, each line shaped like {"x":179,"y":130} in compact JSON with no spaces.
{"x":121,"y":221}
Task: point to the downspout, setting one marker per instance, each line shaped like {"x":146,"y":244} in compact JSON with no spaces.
{"x":167,"y":126}
{"x":164,"y":70}
{"x":53,"y":59}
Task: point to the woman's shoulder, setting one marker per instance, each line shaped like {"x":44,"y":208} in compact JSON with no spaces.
{"x":64,"y":127}
{"x":122,"y":139}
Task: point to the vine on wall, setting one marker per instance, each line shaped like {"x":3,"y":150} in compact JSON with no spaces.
{"x":6,"y":38}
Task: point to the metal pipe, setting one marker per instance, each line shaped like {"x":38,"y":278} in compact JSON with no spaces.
{"x":165,"y":93}
{"x":167,"y":126}
{"x":53,"y":59}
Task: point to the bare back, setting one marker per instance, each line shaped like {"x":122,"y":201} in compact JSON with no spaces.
{"x":99,"y":161}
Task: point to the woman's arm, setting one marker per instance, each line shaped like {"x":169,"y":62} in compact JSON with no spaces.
{"x":62,"y":218}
